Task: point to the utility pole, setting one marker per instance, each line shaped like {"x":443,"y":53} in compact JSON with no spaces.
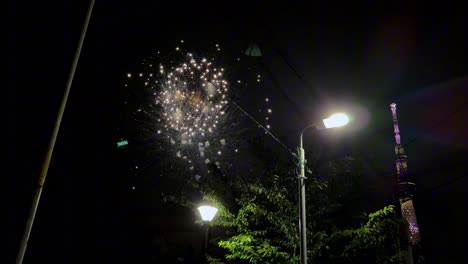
{"x":302,"y":206}
{"x":50,"y":150}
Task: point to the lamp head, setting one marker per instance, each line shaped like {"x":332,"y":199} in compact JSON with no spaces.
{"x":207,"y":212}
{"x":336,"y":120}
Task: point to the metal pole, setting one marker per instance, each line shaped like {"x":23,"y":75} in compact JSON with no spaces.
{"x":50,"y":150}
{"x":205,"y":248}
{"x":206,"y":238}
{"x":302,"y":206}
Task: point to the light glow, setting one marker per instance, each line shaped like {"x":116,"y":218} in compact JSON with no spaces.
{"x":207,"y":212}
{"x":336,"y":120}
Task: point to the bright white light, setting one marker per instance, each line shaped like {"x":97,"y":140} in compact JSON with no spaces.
{"x":336,"y":120}
{"x":207,"y":212}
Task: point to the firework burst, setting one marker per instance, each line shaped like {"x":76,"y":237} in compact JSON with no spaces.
{"x":188,"y":111}
{"x":192,"y":98}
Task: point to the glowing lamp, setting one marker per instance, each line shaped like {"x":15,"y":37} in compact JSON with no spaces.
{"x":336,"y":120}
{"x":207,"y":212}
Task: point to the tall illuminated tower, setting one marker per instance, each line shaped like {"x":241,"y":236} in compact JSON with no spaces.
{"x":404,"y":192}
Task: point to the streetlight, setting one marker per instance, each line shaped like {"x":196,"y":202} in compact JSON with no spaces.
{"x":207,"y":214}
{"x":335,"y":120}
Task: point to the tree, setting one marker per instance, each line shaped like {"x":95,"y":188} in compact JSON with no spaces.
{"x":374,"y":242}
{"x":261,"y":221}
{"x":263,"y":226}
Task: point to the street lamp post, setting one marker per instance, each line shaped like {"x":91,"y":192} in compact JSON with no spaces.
{"x":335,"y":120}
{"x":207,"y":214}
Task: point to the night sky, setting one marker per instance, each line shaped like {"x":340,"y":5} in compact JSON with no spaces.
{"x":315,"y":60}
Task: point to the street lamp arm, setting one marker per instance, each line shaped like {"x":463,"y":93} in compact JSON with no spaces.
{"x":307,"y":127}
{"x":303,"y":130}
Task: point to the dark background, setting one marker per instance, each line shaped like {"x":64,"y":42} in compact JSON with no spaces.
{"x":323,"y":58}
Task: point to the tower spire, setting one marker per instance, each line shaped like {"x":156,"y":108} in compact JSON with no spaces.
{"x":395,"y":124}
{"x":404,"y":188}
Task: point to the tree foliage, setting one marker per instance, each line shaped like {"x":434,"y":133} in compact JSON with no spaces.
{"x":258,"y":213}
{"x":374,"y":242}
{"x":263,"y":226}
{"x":261,"y":221}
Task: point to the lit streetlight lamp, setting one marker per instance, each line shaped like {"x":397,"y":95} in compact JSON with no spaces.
{"x":336,"y":120}
{"x":207,"y":214}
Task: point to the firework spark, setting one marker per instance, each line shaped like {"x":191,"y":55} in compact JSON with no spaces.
{"x":192,"y":99}
{"x":186,"y":116}
{"x":189,"y":107}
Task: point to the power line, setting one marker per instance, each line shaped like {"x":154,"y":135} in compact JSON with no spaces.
{"x":287,"y":61}
{"x":445,"y":184}
{"x":440,"y":122}
{"x":288,"y":99}
{"x":277,"y":85}
{"x":266,"y":130}
{"x":282,"y":92}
